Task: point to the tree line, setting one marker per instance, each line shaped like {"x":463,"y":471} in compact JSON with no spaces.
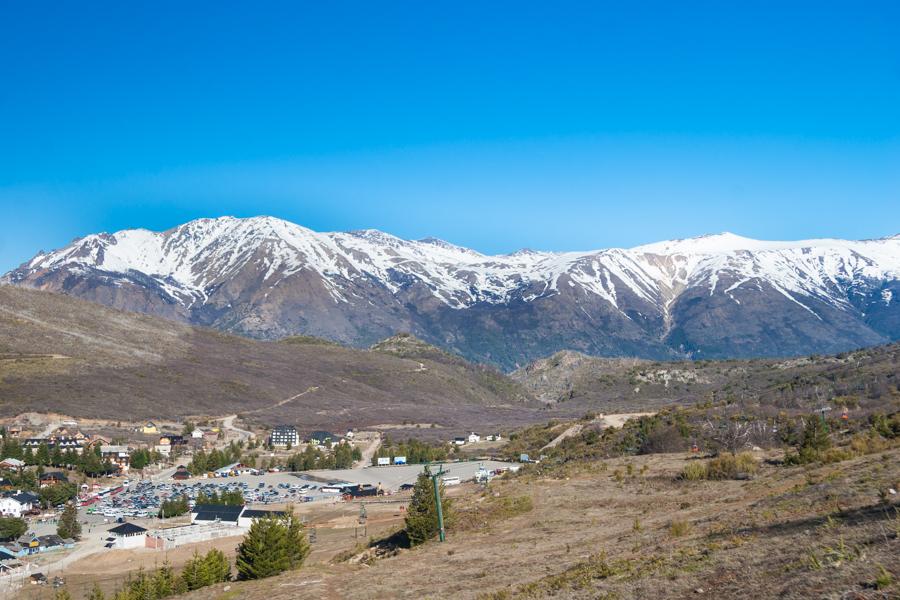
{"x":414,"y":450}
{"x":342,"y":456}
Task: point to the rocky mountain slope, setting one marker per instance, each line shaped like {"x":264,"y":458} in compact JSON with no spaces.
{"x":710,"y":297}
{"x":62,"y":354}
{"x":862,"y":381}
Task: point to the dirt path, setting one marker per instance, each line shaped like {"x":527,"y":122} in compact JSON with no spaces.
{"x":280,"y":403}
{"x":573,"y":430}
{"x":369,"y":452}
{"x":618,"y":420}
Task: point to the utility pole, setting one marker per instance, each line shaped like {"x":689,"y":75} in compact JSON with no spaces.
{"x":437,"y":499}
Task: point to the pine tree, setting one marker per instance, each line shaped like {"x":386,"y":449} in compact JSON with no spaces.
{"x":815,"y":440}
{"x":217,"y":566}
{"x":297,"y":544}
{"x":164,"y":581}
{"x":96,"y":593}
{"x":195,"y":574}
{"x":69,"y":527}
{"x":421,"y":516}
{"x":273,"y":545}
{"x":56,"y":457}
{"x":43,"y":455}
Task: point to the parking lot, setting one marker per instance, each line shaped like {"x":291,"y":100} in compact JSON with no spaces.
{"x":141,"y":500}
{"x":393,"y":476}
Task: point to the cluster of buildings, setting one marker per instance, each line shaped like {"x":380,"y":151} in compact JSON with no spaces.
{"x":208,"y":521}
{"x":474,"y":438}
{"x":30,"y":544}
{"x":287,"y":436}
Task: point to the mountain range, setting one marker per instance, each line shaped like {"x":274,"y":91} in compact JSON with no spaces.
{"x":716,"y":296}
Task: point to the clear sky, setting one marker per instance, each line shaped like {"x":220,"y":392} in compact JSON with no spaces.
{"x":496,"y":125}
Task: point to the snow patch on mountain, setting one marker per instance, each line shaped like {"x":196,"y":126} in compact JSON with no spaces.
{"x":190,"y":260}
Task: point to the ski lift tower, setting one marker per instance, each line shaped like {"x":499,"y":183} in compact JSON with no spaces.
{"x":442,"y":535}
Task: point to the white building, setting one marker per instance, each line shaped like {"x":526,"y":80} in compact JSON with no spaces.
{"x":127,"y":535}
{"x":197,"y":434}
{"x":284,"y":436}
{"x":12,"y":463}
{"x":473,"y":438}
{"x":16,"y":505}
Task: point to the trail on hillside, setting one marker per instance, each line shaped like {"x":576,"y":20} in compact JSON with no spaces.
{"x":280,"y":403}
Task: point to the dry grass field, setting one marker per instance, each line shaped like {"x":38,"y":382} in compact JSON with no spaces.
{"x":629,"y":528}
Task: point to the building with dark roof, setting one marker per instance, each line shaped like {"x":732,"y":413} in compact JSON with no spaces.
{"x":284,"y":436}
{"x":252,"y":514}
{"x":126,"y":535}
{"x":223,"y":513}
{"x":53,"y":478}
{"x":322,"y":437}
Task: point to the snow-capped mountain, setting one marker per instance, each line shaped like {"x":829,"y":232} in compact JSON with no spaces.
{"x":712,"y":296}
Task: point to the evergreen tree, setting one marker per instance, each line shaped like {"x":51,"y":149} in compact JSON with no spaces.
{"x":11,"y":448}
{"x":96,"y":593}
{"x":196,"y":573}
{"x":56,"y":457}
{"x":12,"y":527}
{"x":42,"y":457}
{"x":421,"y":516}
{"x":164,"y":581}
{"x":273,"y":545}
{"x":68,"y":526}
{"x":815,"y":440}
{"x":217,"y":566}
{"x":139,"y":459}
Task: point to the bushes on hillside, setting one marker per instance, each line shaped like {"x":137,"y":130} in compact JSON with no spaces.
{"x":724,"y":466}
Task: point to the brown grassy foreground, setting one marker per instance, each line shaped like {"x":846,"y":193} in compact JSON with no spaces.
{"x":631,"y":528}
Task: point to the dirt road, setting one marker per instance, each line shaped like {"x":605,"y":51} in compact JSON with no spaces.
{"x":370,"y":450}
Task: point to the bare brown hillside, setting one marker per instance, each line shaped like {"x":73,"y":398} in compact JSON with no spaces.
{"x":65,"y":355}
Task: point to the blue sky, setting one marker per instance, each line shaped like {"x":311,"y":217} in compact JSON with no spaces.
{"x":497,"y":125}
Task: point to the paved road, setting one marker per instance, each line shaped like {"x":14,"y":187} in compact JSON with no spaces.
{"x":228,"y":424}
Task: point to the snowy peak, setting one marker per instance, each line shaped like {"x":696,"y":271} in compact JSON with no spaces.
{"x":195,"y":256}
{"x":268,"y":277}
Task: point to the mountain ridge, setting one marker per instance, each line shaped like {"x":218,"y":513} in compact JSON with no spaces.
{"x":715,"y":296}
